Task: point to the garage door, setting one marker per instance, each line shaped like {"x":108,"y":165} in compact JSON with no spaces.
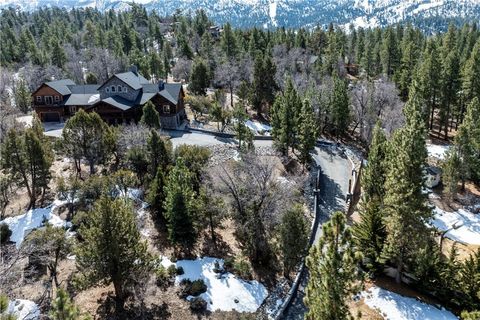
{"x":51,"y":117}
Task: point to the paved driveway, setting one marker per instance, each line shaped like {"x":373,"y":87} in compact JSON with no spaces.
{"x":333,"y":193}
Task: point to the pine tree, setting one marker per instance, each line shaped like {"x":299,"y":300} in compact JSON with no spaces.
{"x":23,"y":99}
{"x":333,"y":273}
{"x":406,"y":212}
{"x":150,"y":116}
{"x":199,"y":79}
{"x":156,"y":195}
{"x":306,"y":132}
{"x":369,"y":234}
{"x":229,"y":42}
{"x":284,"y":115}
{"x":87,"y":136}
{"x":407,"y":67}
{"x":112,"y":250}
{"x":467,"y":143}
{"x":293,"y":238}
{"x":64,"y":309}
{"x":389,"y":52}
{"x":427,"y":77}
{"x":58,"y":56}
{"x":450,"y":173}
{"x":178,"y":206}
{"x":468,"y":280}
{"x":264,"y":84}
{"x":27,"y":158}
{"x":470,"y":79}
{"x":373,"y":177}
{"x":449,"y":88}
{"x":243,"y":134}
{"x":340,"y":107}
{"x":160,"y":152}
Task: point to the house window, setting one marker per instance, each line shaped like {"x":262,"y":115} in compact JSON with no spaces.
{"x":119,"y":88}
{"x":73,"y":109}
{"x":108,"y":90}
{"x":39,"y":98}
{"x":113,"y":88}
{"x":57,"y":98}
{"x":166,"y":109}
{"x":48,"y":100}
{"x":125,"y":89}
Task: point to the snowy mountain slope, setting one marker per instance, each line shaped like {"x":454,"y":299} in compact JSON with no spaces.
{"x":292,"y":13}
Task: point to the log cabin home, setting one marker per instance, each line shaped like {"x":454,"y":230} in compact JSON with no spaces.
{"x":118,"y":100}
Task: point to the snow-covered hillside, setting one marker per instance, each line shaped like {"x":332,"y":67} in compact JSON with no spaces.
{"x":428,"y":14}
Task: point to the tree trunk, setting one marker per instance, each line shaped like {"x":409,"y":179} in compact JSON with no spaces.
{"x":432,"y":116}
{"x":119,"y":298}
{"x":91,"y":163}
{"x":398,"y":276}
{"x":212,"y":230}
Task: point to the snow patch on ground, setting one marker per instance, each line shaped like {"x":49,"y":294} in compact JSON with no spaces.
{"x":222,"y":291}
{"x":437,"y":151}
{"x":24,"y":309}
{"x":34,"y":218}
{"x":258,"y":127}
{"x":396,"y":307}
{"x":462,"y":225}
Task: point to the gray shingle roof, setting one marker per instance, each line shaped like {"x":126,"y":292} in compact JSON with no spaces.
{"x":133,"y":80}
{"x":61,"y":86}
{"x":118,"y":102}
{"x":171,"y":92}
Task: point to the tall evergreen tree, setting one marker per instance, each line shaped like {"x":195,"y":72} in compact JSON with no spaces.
{"x":427,"y":77}
{"x":406,"y":212}
{"x":450,"y":85}
{"x":340,"y":107}
{"x":112,"y":250}
{"x":229,"y":42}
{"x":178,"y":206}
{"x":373,"y":177}
{"x":284,"y":117}
{"x":293,"y":238}
{"x":27,"y":158}
{"x":199,"y":80}
{"x":333,"y":272}
{"x":150,"y":116}
{"x":306,"y":132}
{"x":87,"y":136}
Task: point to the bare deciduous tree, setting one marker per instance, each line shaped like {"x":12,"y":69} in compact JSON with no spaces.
{"x":182,"y":69}
{"x":256,"y":198}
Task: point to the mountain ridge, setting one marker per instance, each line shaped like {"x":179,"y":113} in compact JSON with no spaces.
{"x":427,"y":14}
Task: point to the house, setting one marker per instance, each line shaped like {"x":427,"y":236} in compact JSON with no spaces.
{"x":118,"y":100}
{"x":432,"y":176}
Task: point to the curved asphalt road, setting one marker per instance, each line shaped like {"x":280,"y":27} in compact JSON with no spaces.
{"x":335,"y":174}
{"x":333,"y":194}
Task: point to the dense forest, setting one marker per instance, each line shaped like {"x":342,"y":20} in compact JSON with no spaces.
{"x":382,"y":90}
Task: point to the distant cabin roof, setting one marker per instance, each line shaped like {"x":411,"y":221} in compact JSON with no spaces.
{"x":61,"y":86}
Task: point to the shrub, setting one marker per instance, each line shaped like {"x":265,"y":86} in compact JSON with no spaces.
{"x":198,"y":304}
{"x":162,"y":276}
{"x":228,"y":263}
{"x":180,"y":271}
{"x":5,"y":233}
{"x":192,"y":288}
{"x":242,"y":268}
{"x":172,"y":270}
{"x":198,"y":287}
